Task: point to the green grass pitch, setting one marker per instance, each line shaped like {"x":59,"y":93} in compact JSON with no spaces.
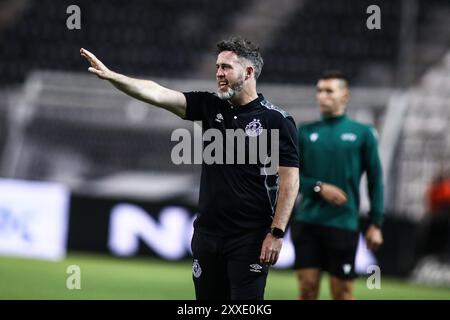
{"x":104,"y":277}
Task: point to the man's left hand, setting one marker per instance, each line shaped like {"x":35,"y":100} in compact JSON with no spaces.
{"x":374,"y":237}
{"x":270,"y":250}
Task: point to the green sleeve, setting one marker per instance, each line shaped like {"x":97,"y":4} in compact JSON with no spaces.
{"x":372,"y":166}
{"x":306,"y":183}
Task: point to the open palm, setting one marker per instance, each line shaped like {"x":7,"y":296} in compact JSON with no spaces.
{"x":97,"y":67}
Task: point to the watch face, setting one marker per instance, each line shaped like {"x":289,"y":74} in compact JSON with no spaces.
{"x":277,"y":233}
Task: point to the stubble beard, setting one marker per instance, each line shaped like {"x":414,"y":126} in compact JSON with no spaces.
{"x":232,"y":91}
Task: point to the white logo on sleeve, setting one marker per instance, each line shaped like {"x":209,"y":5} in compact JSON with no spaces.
{"x":314,"y":136}
{"x":254,"y":128}
{"x":349,"y":137}
{"x":196,"y":269}
{"x":347,"y":268}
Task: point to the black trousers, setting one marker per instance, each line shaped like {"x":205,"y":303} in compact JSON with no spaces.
{"x":229,"y":268}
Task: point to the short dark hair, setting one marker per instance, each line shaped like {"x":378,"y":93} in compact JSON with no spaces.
{"x":243,"y":48}
{"x":335,"y":74}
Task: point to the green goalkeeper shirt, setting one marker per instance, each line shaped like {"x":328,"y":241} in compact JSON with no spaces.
{"x":338,"y":151}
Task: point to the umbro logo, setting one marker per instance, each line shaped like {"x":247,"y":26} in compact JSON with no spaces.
{"x":255,"y":267}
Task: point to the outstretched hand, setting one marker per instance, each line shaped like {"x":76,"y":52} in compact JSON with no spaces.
{"x":97,"y":67}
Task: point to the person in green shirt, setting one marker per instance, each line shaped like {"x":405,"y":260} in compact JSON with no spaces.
{"x":334,"y":153}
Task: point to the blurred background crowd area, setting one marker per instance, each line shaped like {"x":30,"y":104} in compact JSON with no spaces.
{"x":60,"y":124}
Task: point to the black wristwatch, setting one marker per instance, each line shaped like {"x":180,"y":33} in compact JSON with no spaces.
{"x":318,"y":187}
{"x":277,"y":233}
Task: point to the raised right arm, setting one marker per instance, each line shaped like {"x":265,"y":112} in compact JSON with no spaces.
{"x":144,"y":90}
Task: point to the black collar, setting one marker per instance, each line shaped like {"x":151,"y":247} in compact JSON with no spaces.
{"x":249,"y":106}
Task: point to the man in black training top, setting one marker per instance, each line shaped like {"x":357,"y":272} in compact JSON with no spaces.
{"x":244,"y":207}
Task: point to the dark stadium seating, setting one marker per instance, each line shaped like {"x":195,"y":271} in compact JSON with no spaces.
{"x":333,"y":35}
{"x":167,"y":38}
{"x":3,"y":122}
{"x":158,"y":37}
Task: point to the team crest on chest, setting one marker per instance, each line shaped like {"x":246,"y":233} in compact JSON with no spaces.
{"x":254,"y":128}
{"x":314,"y":136}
